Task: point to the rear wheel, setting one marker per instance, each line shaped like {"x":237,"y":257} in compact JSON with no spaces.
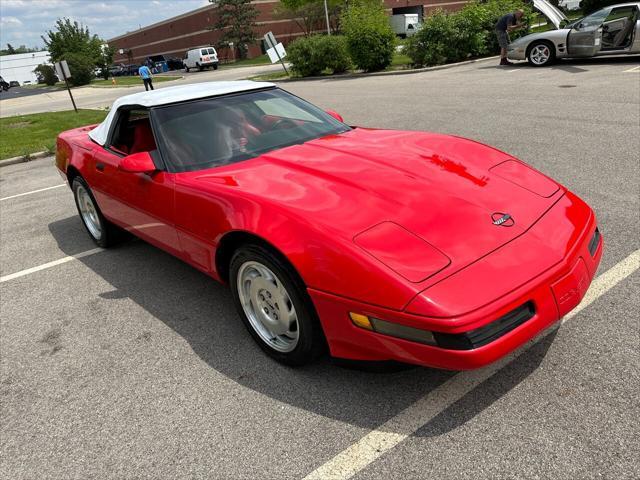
{"x":274,"y":306}
{"x":102,"y":231}
{"x":541,"y":54}
{"x":200,"y":67}
{"x":215,"y":66}
{"x":186,"y":69}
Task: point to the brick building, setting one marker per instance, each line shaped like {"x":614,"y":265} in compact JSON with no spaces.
{"x":174,"y":36}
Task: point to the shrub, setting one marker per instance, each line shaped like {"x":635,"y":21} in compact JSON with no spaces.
{"x":81,"y":68}
{"x":313,"y":55}
{"x":445,"y":38}
{"x":370,"y":39}
{"x":46,"y":74}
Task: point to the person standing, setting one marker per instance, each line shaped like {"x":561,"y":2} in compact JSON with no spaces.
{"x":146,"y":76}
{"x":507,"y":23}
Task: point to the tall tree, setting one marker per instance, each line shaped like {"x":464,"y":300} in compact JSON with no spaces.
{"x":10,"y":49}
{"x":74,"y":43}
{"x":309,"y":15}
{"x":237,"y":22}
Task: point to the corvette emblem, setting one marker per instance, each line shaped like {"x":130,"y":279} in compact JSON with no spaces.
{"x":502,"y":219}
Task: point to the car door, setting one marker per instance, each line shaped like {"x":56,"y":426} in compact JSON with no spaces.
{"x":585,"y":38}
{"x":142,"y":202}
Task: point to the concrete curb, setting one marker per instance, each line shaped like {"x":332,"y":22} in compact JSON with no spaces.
{"x":23,"y":158}
{"x":408,"y":71}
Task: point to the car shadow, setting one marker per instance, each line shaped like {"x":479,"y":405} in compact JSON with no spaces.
{"x":201,"y":311}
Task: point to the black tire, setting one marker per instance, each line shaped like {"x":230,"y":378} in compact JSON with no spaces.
{"x":186,"y":69}
{"x":535,"y":61}
{"x":215,"y":66}
{"x":200,"y":67}
{"x":311,"y":342}
{"x":110,"y":234}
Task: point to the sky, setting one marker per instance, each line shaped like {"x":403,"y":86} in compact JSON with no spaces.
{"x":22,"y":22}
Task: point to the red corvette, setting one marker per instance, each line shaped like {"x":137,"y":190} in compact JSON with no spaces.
{"x":382,"y":245}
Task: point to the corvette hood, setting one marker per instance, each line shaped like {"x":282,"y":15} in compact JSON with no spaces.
{"x":443,"y":190}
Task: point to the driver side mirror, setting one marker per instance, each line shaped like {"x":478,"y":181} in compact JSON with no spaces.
{"x":335,"y":115}
{"x":140,"y":162}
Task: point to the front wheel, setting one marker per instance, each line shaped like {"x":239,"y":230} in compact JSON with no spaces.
{"x":274,"y":306}
{"x":541,"y":54}
{"x":102,"y":231}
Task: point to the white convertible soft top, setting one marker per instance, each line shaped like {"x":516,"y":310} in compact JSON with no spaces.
{"x":164,"y":96}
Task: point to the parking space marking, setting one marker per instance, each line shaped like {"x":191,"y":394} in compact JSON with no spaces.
{"x":44,"y":266}
{"x":634,"y":69}
{"x":32,"y":191}
{"x":379,"y":441}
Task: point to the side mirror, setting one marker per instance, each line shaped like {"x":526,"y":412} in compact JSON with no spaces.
{"x":140,"y":162}
{"x":335,"y":115}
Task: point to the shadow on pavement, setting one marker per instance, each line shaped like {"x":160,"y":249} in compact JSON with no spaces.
{"x":201,"y":311}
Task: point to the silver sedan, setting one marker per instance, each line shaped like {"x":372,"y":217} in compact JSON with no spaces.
{"x":613,"y":30}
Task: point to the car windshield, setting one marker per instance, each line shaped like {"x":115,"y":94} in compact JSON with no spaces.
{"x":219,"y":131}
{"x":593,"y":20}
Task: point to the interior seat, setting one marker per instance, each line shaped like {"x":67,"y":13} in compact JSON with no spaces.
{"x":143,"y":140}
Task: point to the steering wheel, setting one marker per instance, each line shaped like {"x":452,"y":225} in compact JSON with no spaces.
{"x":282,"y":122}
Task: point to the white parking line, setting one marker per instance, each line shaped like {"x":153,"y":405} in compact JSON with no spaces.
{"x":44,"y":266}
{"x":634,"y":69}
{"x":374,"y":444}
{"x":33,"y":191}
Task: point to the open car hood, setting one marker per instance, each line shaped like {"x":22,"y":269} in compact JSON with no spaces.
{"x":553,"y":13}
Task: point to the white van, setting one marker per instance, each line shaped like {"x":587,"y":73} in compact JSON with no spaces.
{"x":200,"y":58}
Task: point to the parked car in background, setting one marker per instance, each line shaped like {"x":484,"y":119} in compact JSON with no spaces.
{"x":200,"y":58}
{"x":613,"y":30}
{"x":175,"y":63}
{"x":462,"y":254}
{"x":405,"y":24}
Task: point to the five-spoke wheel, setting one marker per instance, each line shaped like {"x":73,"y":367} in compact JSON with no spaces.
{"x":540,"y":54}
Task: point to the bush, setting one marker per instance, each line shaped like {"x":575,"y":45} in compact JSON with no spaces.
{"x":446,"y":38}
{"x":81,"y":68}
{"x":370,"y":39}
{"x":313,"y":55}
{"x":46,"y":74}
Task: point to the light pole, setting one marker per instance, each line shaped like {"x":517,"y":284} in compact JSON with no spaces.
{"x":326,"y":14}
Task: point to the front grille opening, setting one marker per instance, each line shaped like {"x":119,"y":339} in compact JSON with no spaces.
{"x":594,"y":242}
{"x":487,"y":334}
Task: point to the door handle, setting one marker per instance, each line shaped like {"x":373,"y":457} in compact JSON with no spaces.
{"x":100,"y":166}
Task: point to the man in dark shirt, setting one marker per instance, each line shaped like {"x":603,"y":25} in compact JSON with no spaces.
{"x":507,"y":23}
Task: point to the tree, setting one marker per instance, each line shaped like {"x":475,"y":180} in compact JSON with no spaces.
{"x":10,"y":49}
{"x":82,"y":51}
{"x":46,"y":74}
{"x":105,"y":60}
{"x":236,"y":21}
{"x":309,"y":15}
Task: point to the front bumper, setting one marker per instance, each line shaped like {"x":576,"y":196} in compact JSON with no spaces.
{"x":516,"y":52}
{"x":552,"y":293}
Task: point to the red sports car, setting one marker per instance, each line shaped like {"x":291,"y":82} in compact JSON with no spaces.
{"x":378,"y":244}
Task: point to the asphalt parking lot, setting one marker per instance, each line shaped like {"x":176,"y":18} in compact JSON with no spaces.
{"x":127,"y":363}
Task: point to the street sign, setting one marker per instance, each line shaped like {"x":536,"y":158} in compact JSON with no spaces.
{"x":63,"y":72}
{"x":275,"y":50}
{"x":270,"y":40}
{"x":62,"y":69}
{"x":277,"y":53}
